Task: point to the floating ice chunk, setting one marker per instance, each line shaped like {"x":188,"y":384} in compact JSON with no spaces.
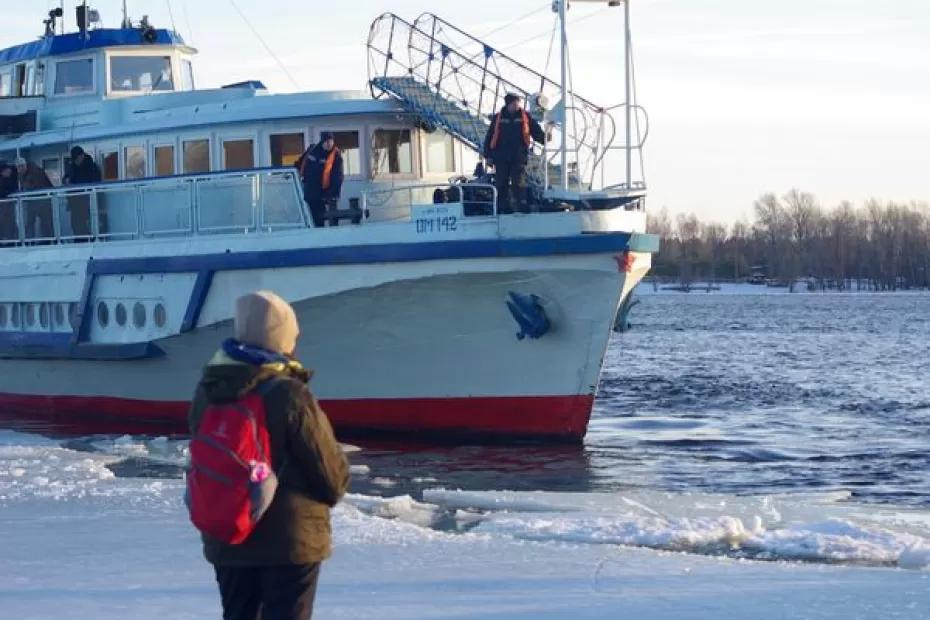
{"x":360,"y":470}
{"x":403,"y":508}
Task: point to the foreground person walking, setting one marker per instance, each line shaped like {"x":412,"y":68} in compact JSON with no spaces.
{"x":265,"y":467}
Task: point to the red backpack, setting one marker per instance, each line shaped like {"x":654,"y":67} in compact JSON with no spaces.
{"x":230,"y":481}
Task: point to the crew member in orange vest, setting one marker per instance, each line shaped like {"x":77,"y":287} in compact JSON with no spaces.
{"x":321,"y":171}
{"x":507,"y":147}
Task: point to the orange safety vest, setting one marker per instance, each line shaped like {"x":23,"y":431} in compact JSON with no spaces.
{"x":527,"y":138}
{"x":328,"y":167}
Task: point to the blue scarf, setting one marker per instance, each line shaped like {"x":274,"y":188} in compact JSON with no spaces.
{"x":253,"y":355}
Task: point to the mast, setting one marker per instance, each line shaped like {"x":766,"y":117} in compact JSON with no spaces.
{"x":126,"y":22}
{"x":564,"y":111}
{"x":628,"y":43}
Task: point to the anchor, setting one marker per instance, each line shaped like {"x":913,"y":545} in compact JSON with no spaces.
{"x":529,"y":315}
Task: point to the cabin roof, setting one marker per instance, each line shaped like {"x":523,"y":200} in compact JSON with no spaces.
{"x":76,"y":42}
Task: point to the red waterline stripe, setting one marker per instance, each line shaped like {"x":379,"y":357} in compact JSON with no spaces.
{"x":562,"y":417}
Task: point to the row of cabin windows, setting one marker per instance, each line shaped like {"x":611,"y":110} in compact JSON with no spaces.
{"x":392,"y":154}
{"x":76,"y":77}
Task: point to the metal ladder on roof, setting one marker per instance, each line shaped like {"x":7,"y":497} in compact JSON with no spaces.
{"x":456,"y":82}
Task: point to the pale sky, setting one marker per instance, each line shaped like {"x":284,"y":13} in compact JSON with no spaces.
{"x":744,"y":96}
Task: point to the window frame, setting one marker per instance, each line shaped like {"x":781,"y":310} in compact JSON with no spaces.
{"x":424,"y":149}
{"x":364,"y":162}
{"x":124,"y":157}
{"x":414,"y":154}
{"x":95,"y":87}
{"x":110,"y":56}
{"x":286,"y":131}
{"x":152,"y":161}
{"x":222,"y":139}
{"x":210,"y":153}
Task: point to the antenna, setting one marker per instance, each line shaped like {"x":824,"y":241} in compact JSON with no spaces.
{"x":126,"y":23}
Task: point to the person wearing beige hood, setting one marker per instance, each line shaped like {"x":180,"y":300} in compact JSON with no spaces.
{"x":273,"y":573}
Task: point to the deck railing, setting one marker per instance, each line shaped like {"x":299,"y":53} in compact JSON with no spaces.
{"x":216,"y":203}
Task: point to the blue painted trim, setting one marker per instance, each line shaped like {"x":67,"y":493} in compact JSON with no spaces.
{"x":45,"y":346}
{"x":85,"y":312}
{"x":198,"y":298}
{"x":76,"y":42}
{"x":364,"y":254}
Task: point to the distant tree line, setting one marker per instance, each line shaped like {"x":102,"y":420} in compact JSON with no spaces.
{"x":881,"y":246}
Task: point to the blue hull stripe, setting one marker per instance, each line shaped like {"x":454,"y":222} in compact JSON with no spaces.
{"x":44,"y":346}
{"x":67,"y":346}
{"x":365,"y":254}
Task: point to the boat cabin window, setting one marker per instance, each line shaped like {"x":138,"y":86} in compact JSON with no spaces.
{"x":74,"y":77}
{"x":109,"y":165}
{"x":31,"y":80}
{"x":187,"y":75}
{"x":393,"y":152}
{"x":440,"y":148}
{"x":134,"y":156}
{"x":164,"y":160}
{"x":196,"y":156}
{"x":52,"y":170}
{"x":140,"y":73}
{"x":238,"y":154}
{"x":6,"y":84}
{"x":286,"y":148}
{"x":348,"y":143}
{"x":19,"y":80}
{"x":39,"y":88}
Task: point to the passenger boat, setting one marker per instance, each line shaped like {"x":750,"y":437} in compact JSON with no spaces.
{"x":421,"y":316}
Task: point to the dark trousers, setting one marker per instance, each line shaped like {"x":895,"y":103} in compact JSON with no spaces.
{"x":318,"y":207}
{"x":79,"y":207}
{"x":40,"y":210}
{"x":510,"y":180}
{"x":268,"y":592}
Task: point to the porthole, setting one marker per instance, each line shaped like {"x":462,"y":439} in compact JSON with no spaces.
{"x":30,"y":315}
{"x":160,"y":315}
{"x":2,"y":316}
{"x":14,"y":316}
{"x":59,"y":315}
{"x":138,"y":315}
{"x":103,"y":314}
{"x":43,"y":316}
{"x":73,"y":315}
{"x":120,"y":315}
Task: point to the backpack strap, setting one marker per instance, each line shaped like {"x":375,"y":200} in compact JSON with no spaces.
{"x":263,"y":388}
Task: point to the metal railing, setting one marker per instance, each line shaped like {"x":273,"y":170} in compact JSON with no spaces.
{"x":392,"y":204}
{"x":215,"y":203}
{"x":464,"y":81}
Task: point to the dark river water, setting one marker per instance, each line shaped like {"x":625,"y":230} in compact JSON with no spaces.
{"x":727,"y":393}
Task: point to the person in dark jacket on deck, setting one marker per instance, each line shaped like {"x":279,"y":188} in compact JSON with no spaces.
{"x":273,"y":573}
{"x":9,"y":184}
{"x":321,"y":171}
{"x":507,"y":147}
{"x":83,"y":171}
{"x":31,"y":179}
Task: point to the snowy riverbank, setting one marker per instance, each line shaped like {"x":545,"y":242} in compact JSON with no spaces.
{"x":80,"y":542}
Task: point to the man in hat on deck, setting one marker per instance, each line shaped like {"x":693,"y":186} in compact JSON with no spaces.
{"x":321,"y":171}
{"x":507,"y":147}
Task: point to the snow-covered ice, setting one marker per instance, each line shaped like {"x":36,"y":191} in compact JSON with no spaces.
{"x":80,"y":542}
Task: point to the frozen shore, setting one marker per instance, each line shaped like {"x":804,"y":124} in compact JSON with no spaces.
{"x":80,"y":542}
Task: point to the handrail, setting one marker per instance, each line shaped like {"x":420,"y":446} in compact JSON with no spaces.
{"x":156,"y":206}
{"x":462,"y":188}
{"x":431,"y":52}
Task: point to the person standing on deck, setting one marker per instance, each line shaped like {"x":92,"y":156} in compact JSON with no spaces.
{"x":9,"y":184}
{"x":321,"y":171}
{"x":83,"y":171}
{"x":507,"y":148}
{"x":32,"y":178}
{"x":273,"y":573}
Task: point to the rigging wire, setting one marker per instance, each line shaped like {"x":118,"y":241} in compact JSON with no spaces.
{"x":542,"y":34}
{"x":187,"y":20}
{"x":171,"y":16}
{"x":265,"y":45}
{"x":544,"y":7}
